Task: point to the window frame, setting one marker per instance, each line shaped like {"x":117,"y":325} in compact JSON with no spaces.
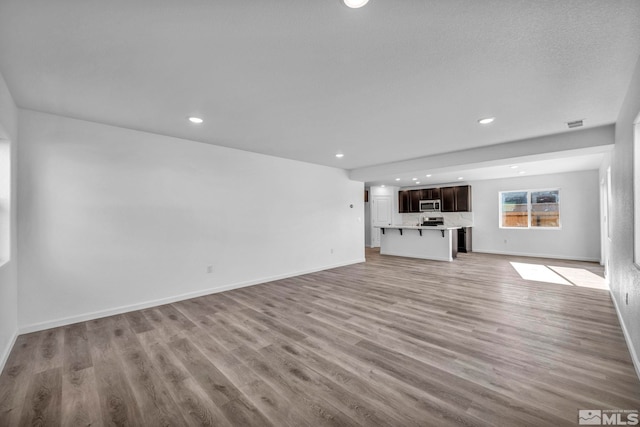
{"x":529,"y":207}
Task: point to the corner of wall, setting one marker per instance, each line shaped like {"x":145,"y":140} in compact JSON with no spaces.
{"x":4,"y":356}
{"x":9,"y":270}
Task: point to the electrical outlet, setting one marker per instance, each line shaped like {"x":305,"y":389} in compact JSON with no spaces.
{"x":209,"y":269}
{"x":505,"y":240}
{"x":331,"y":250}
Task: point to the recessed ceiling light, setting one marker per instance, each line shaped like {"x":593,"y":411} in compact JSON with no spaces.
{"x":382,"y":185}
{"x":397,"y":179}
{"x":460,"y":178}
{"x":339,"y":155}
{"x":414,"y":179}
{"x":514,"y":167}
{"x":354,"y":4}
{"x":429,"y":175}
{"x":521,"y":172}
{"x":196,"y":120}
{"x":417,"y":182}
{"x":486,"y":120}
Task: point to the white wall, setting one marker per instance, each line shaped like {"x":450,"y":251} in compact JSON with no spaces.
{"x":579,"y":237}
{"x":8,"y":268}
{"x":113,"y":219}
{"x":624,"y":276}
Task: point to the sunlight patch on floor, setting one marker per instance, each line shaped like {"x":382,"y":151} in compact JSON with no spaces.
{"x":581,"y":277}
{"x":539,"y":273}
{"x":567,"y":276}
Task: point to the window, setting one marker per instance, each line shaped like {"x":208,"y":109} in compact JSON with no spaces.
{"x":530,"y":209}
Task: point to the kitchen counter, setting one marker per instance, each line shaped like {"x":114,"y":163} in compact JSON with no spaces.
{"x":419,"y":227}
{"x":403,"y":240}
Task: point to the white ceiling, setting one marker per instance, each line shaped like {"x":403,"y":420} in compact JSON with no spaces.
{"x":304,"y":79}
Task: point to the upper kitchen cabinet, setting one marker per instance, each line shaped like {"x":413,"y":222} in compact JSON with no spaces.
{"x":462,"y":196}
{"x":456,"y":199}
{"x":430,"y":194}
{"x":415,"y":197}
{"x":447,"y":199}
{"x":404,"y":201}
{"x":452,"y":199}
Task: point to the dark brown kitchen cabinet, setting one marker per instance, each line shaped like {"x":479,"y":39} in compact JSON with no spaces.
{"x":456,"y":199}
{"x":447,"y":199}
{"x":464,"y":239}
{"x":415,"y":198}
{"x":453,"y":199}
{"x":430,"y":194}
{"x":462,"y":196}
{"x":404,"y":201}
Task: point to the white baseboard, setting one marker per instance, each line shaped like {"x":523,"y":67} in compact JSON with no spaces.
{"x":4,"y":356}
{"x":552,"y":256}
{"x":25,"y":329}
{"x":627,"y":337}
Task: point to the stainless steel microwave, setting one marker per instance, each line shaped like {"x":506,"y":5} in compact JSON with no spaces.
{"x":429,"y":205}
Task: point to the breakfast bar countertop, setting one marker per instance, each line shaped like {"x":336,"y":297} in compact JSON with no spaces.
{"x":412,"y":241}
{"x":419,"y":227}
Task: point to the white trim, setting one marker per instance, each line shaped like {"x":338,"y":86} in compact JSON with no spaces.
{"x":553,"y":256}
{"x":5,"y":353}
{"x":627,"y":337}
{"x":139,"y":306}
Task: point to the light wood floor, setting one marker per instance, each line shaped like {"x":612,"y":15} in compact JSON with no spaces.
{"x":393,"y":342}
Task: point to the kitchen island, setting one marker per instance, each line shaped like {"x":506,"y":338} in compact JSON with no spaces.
{"x":438,"y":243}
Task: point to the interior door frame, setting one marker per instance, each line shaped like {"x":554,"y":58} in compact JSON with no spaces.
{"x":605,"y":228}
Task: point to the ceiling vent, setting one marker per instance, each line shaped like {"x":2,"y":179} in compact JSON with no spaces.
{"x":575,"y":124}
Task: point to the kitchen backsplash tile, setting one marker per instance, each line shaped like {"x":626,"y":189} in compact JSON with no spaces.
{"x":451,"y":219}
